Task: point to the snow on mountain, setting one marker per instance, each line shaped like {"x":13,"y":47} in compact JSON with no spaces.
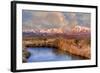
{"x":80,"y":29}
{"x":76,"y":29}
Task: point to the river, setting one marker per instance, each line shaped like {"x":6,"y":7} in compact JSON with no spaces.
{"x":49,"y":54}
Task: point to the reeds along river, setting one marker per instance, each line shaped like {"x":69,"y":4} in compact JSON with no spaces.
{"x":40,"y":54}
{"x":56,"y":49}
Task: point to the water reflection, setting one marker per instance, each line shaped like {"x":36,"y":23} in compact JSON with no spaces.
{"x":49,"y":54}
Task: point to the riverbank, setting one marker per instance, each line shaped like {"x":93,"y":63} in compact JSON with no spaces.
{"x":79,"y":47}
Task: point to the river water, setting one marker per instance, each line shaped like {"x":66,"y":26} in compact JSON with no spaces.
{"x":49,"y":54}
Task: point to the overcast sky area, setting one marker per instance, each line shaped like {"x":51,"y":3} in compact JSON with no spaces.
{"x":45,"y":20}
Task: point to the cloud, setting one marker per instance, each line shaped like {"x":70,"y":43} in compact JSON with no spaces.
{"x":46,"y":20}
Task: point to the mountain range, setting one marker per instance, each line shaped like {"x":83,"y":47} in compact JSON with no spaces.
{"x":75,"y":32}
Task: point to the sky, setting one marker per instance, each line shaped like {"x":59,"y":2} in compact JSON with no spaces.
{"x":32,"y":19}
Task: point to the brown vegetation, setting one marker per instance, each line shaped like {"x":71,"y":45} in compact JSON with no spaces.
{"x":80,"y":47}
